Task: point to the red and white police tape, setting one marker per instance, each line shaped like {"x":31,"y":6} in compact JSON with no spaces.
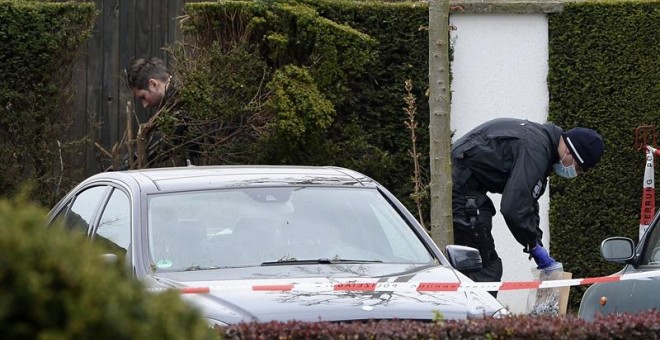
{"x":374,"y":285}
{"x":648,"y":191}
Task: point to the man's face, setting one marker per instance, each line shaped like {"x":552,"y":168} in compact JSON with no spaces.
{"x":569,"y":160}
{"x":152,"y":95}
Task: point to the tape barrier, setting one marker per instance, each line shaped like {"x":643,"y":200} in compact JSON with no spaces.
{"x":653,"y":150}
{"x":648,"y":192}
{"x":373,"y":286}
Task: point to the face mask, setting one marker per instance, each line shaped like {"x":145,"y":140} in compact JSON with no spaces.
{"x":565,"y":171}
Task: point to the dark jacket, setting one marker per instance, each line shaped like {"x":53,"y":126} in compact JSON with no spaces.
{"x":512,"y":157}
{"x":177,"y":145}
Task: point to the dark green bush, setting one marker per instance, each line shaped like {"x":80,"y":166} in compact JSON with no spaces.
{"x":335,"y":79}
{"x":39,"y":42}
{"x":304,"y":115}
{"x":604,"y":72}
{"x":272,"y":73}
{"x":224,"y":94}
{"x":369,"y":129}
{"x":55,"y":285}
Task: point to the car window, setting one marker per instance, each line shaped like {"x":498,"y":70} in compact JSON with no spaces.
{"x":58,"y":217}
{"x":84,"y":206}
{"x":252,"y":226}
{"x":114,"y":229}
{"x":651,"y":253}
{"x":399,"y":240}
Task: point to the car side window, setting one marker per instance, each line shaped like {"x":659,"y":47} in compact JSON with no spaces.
{"x":114,"y":230}
{"x":651,"y":255}
{"x":85,"y":205}
{"x":59,"y":216}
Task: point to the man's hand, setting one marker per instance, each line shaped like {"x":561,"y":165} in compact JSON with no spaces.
{"x":543,"y":259}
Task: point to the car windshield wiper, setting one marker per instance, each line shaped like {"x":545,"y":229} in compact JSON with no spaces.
{"x":284,"y":262}
{"x":196,"y":268}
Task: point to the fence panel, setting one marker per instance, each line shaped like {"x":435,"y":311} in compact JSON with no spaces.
{"x":124,"y":30}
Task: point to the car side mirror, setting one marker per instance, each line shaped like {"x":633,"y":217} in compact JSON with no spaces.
{"x":464,"y":258}
{"x":618,"y":249}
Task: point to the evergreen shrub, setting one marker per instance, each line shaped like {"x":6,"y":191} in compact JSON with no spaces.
{"x":54,"y":284}
{"x":40,"y":43}
{"x":604,"y":71}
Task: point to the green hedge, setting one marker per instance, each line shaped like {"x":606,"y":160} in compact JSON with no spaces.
{"x":604,"y":74}
{"x":334,"y":74}
{"x":39,"y":44}
{"x":374,"y":115}
{"x":54,"y":284}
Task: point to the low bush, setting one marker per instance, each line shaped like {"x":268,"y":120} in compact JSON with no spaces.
{"x":637,"y":326}
{"x":54,"y":284}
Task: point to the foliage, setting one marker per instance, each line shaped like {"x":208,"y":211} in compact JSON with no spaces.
{"x":54,"y":284}
{"x":303,"y":115}
{"x":637,"y":326}
{"x":603,"y":75}
{"x":291,"y":66}
{"x":337,"y":69}
{"x":39,"y":44}
{"x":421,"y":191}
{"x":372,"y":118}
{"x":224,"y":92}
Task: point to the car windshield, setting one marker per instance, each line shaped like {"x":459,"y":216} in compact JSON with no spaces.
{"x":278,"y":225}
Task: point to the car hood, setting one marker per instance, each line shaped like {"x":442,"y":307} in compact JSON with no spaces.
{"x":330,"y":293}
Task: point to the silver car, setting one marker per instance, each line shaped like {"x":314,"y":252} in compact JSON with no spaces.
{"x":275,"y":243}
{"x":638,"y":285}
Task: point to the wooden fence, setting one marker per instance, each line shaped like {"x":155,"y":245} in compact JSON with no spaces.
{"x":124,"y":30}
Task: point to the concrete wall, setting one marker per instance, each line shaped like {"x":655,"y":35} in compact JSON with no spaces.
{"x":499,"y":70}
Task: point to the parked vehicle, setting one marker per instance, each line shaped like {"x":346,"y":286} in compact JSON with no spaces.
{"x":627,"y":295}
{"x":274,"y":243}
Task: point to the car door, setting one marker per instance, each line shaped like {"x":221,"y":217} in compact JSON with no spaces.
{"x":103,"y":213}
{"x":644,"y":291}
{"x":113,"y":229}
{"x":628,"y":296}
{"x":79,"y":212}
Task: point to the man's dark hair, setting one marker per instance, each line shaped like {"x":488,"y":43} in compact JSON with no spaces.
{"x":138,"y":75}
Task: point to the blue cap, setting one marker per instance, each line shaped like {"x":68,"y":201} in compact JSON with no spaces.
{"x":585,"y":145}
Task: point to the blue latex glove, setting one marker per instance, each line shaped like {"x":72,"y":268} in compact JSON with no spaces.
{"x":543,"y":259}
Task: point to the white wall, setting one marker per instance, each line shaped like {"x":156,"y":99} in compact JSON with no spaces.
{"x":499,"y":70}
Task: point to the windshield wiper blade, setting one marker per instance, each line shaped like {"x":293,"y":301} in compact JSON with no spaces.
{"x":196,"y":267}
{"x":316,"y":261}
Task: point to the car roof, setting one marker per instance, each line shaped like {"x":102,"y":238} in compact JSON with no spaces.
{"x":207,"y":177}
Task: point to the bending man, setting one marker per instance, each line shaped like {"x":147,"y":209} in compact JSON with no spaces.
{"x":512,"y":157}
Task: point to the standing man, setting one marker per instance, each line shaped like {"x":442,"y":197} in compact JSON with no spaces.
{"x":152,"y":85}
{"x":513,"y":157}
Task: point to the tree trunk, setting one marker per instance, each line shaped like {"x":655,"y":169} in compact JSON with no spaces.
{"x":439,"y":124}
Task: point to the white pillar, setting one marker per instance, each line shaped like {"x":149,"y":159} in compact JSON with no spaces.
{"x":499,"y":70}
